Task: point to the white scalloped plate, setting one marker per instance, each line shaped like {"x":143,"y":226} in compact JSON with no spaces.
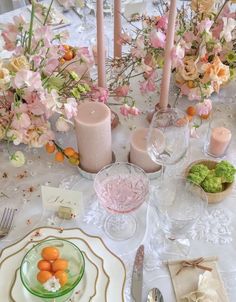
{"x":113,"y":266}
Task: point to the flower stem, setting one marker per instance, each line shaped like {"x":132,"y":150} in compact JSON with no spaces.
{"x":31,"y":26}
{"x":46,"y":18}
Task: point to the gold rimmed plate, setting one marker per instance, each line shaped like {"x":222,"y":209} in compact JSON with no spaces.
{"x":113,"y":266}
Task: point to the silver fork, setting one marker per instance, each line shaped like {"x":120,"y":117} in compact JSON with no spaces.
{"x":6,"y":221}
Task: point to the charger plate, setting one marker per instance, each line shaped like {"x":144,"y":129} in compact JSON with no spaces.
{"x":113,"y":267}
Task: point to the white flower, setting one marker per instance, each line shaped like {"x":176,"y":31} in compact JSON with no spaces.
{"x":17,"y":159}
{"x":62,"y":125}
{"x":52,"y":285}
{"x":229,"y":26}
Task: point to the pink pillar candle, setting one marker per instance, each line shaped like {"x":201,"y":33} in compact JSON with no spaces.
{"x":165,"y":83}
{"x":219,"y":141}
{"x":101,"y":45}
{"x":93,"y":132}
{"x":138,"y":150}
{"x":117,"y":28}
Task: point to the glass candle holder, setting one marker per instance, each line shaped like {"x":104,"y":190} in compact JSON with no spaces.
{"x":218,"y":138}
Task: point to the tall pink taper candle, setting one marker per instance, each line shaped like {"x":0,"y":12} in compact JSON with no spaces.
{"x":165,"y":83}
{"x":100,"y":45}
{"x":117,"y":28}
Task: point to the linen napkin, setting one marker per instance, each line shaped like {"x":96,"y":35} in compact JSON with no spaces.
{"x":197,"y":280}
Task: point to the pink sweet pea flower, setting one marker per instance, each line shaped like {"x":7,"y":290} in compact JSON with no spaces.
{"x":205,"y":26}
{"x":138,"y":51}
{"x":71,"y":108}
{"x":21,"y":121}
{"x":158,"y":39}
{"x":189,"y":36}
{"x":122,"y":91}
{"x":125,"y":109}
{"x":51,"y":66}
{"x":45,"y":34}
{"x":204,"y":108}
{"x":29,"y":79}
{"x":149,"y":84}
{"x":162,"y":23}
{"x":100,"y":94}
{"x":134,"y":111}
{"x":177,"y":55}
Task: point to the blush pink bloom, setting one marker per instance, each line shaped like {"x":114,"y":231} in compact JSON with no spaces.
{"x":71,"y":108}
{"x":51,"y":66}
{"x":122,"y":91}
{"x":139,"y":50}
{"x":100,"y":94}
{"x":46,"y":137}
{"x":125,"y":109}
{"x":149,"y":84}
{"x":177,"y":55}
{"x":205,"y":25}
{"x":134,"y":111}
{"x":158,"y":39}
{"x":10,"y":40}
{"x":21,"y":121}
{"x":45,"y":34}
{"x":189,"y":36}
{"x":204,"y":108}
{"x":162,"y":23}
{"x":29,"y":79}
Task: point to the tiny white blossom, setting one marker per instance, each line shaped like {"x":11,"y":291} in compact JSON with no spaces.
{"x":52,"y":285}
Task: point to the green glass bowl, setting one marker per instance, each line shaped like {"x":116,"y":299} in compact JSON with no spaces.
{"x":75,"y":271}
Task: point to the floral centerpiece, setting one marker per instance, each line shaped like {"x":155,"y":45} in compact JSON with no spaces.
{"x":203,"y":58}
{"x":42,"y":77}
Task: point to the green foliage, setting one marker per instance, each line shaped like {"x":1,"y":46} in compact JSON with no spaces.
{"x":226,"y":171}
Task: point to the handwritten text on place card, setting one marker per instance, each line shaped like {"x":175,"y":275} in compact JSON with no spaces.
{"x":53,"y":198}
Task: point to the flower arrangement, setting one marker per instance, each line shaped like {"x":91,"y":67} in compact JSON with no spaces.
{"x":203,"y":58}
{"x":42,"y":78}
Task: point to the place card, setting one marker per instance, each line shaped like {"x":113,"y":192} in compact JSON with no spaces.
{"x":134,"y":7}
{"x":55,"y":198}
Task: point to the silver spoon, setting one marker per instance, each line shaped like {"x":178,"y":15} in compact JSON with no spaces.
{"x":155,"y":295}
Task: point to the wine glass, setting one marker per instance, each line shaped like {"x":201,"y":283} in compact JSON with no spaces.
{"x":168,"y":137}
{"x":179,"y":204}
{"x":121,"y":188}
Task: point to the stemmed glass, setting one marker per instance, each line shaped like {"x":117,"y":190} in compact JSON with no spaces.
{"x":168,"y":137}
{"x":121,"y":188}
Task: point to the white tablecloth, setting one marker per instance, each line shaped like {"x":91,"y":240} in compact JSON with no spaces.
{"x":216,"y":236}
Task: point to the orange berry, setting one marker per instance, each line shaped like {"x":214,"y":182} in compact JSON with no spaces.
{"x":76,"y":155}
{"x":43,"y":276}
{"x":62,"y":61}
{"x":69,"y":55}
{"x":44,"y":265}
{"x":59,"y":265}
{"x":62,"y":277}
{"x":66,"y":47}
{"x":69,"y":151}
{"x":50,"y":147}
{"x":73,"y":160}
{"x":191,"y":110}
{"x":50,"y":253}
{"x":205,"y":116}
{"x":59,"y":156}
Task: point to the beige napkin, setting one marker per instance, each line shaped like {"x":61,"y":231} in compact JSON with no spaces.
{"x":186,"y":280}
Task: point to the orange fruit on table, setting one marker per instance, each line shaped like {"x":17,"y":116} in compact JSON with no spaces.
{"x":62,"y":277}
{"x":59,"y":156}
{"x":43,"y":276}
{"x":69,"y":151}
{"x":191,"y":110}
{"x":50,"y":253}
{"x":44,"y":265}
{"x":50,"y":147}
{"x":69,"y":55}
{"x":59,"y":265}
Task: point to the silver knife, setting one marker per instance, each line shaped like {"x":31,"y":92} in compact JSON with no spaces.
{"x":137,"y":277}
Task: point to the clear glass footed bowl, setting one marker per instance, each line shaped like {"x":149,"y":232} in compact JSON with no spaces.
{"x":121,"y":187}
{"x":75,"y":270}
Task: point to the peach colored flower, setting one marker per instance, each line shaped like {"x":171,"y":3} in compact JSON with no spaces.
{"x":4,"y":78}
{"x":202,"y":6}
{"x":217,"y":72}
{"x":188,"y":71}
{"x":18,"y":63}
